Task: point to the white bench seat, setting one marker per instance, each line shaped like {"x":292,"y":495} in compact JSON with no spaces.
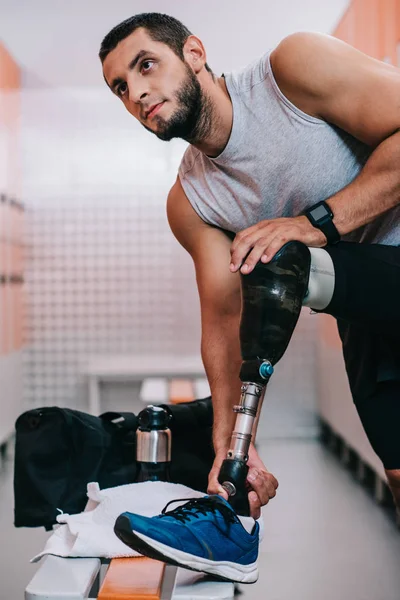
{"x":63,"y":579}
{"x":201,"y":387}
{"x":136,"y":368}
{"x":154,"y":390}
{"x":190,"y":587}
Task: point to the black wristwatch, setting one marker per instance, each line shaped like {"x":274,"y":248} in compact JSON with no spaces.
{"x":321,"y":216}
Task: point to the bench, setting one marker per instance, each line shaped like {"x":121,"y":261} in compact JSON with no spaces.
{"x":138,"y":578}
{"x":136,"y":368}
{"x":64,"y":579}
{"x":121,"y":579}
{"x":156,"y":390}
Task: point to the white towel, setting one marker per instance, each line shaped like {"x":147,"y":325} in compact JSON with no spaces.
{"x":91,"y":533}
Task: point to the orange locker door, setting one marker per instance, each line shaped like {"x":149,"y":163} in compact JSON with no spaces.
{"x":345,"y":29}
{"x":367,"y":31}
{"x":388,"y":35}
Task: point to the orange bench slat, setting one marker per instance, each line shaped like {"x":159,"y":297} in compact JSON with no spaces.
{"x":133,"y":579}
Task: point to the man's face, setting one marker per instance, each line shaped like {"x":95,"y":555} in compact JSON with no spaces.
{"x":157,"y":88}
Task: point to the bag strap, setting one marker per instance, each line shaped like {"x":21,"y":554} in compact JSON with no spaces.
{"x":122,"y":420}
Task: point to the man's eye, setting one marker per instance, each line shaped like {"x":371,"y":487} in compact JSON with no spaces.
{"x":121,"y":89}
{"x":146,"y":65}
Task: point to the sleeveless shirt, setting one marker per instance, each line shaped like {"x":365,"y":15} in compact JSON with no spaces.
{"x":278,"y":162}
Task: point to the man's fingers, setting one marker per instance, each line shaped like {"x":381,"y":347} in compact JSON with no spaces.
{"x":269,"y":478}
{"x":241,"y":236}
{"x":252,"y":249}
{"x":264,"y":485}
{"x":239,"y":252}
{"x":275,"y":244}
{"x":255,"y":505}
{"x":254,"y":256}
{"x":243,"y":244}
{"x":274,"y":480}
{"x":214,"y":486}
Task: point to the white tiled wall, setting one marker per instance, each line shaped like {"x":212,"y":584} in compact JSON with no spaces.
{"x":102,"y":279}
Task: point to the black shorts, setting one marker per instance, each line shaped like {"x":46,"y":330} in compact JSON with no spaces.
{"x":366,"y":304}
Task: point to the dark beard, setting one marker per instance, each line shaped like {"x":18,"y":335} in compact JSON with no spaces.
{"x":192,"y":119}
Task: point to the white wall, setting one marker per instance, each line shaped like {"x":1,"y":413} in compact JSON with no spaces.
{"x":58,"y":41}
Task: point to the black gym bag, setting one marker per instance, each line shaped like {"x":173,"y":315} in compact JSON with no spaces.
{"x":58,"y":451}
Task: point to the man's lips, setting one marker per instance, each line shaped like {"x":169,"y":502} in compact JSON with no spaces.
{"x":154,"y":109}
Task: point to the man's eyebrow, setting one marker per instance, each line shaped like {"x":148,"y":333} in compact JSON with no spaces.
{"x":131,"y":66}
{"x":135,"y":60}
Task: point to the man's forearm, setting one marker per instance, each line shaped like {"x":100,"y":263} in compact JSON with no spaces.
{"x":374,"y":191}
{"x":220,"y":350}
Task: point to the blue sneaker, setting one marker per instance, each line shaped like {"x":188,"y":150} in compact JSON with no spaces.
{"x":203,"y":535}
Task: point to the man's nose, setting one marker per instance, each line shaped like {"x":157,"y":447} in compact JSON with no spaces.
{"x":138,"y":93}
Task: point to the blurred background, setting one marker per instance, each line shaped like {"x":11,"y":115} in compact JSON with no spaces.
{"x":92,"y":280}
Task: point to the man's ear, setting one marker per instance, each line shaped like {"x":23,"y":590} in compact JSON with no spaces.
{"x":194,"y":53}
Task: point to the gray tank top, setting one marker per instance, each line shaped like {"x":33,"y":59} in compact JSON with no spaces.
{"x":278,"y":161}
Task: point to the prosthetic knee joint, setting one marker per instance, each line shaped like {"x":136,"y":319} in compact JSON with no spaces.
{"x":272,"y":296}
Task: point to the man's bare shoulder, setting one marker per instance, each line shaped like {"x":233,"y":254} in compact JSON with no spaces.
{"x":186,"y":225}
{"x":301,"y":64}
{"x":305,"y":42}
{"x":302,"y":53}
{"x":333,"y":81}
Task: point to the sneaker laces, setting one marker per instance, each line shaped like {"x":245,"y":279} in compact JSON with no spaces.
{"x":197,"y":506}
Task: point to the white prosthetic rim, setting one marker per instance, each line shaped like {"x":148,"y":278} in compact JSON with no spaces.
{"x":321,"y":283}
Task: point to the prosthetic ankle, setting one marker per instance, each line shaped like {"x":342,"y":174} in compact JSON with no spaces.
{"x":272,"y":296}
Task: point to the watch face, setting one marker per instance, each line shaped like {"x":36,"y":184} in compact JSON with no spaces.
{"x":319,"y":212}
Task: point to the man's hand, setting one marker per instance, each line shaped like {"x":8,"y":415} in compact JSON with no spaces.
{"x":263,"y":240}
{"x":262,"y":484}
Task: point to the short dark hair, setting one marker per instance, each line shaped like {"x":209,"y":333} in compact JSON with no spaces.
{"x":161,"y":28}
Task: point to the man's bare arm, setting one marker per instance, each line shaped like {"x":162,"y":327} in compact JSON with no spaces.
{"x":220,"y":302}
{"x":333,"y":81}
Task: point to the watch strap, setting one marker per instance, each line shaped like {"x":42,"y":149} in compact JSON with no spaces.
{"x":329,"y":230}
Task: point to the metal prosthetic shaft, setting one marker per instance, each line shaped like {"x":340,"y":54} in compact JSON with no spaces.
{"x":272,"y":297}
{"x":246,"y":412}
{"x":234,"y":469}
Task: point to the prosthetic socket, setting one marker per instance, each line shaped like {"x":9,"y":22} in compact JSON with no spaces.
{"x":272,"y":296}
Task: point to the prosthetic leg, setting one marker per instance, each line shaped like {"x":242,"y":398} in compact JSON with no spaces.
{"x":272,"y":296}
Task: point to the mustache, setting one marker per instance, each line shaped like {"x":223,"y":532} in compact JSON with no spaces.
{"x":145,"y":110}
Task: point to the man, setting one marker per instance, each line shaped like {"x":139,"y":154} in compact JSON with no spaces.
{"x":314,"y":120}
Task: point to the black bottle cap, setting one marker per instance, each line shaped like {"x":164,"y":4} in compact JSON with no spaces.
{"x":153,"y":417}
